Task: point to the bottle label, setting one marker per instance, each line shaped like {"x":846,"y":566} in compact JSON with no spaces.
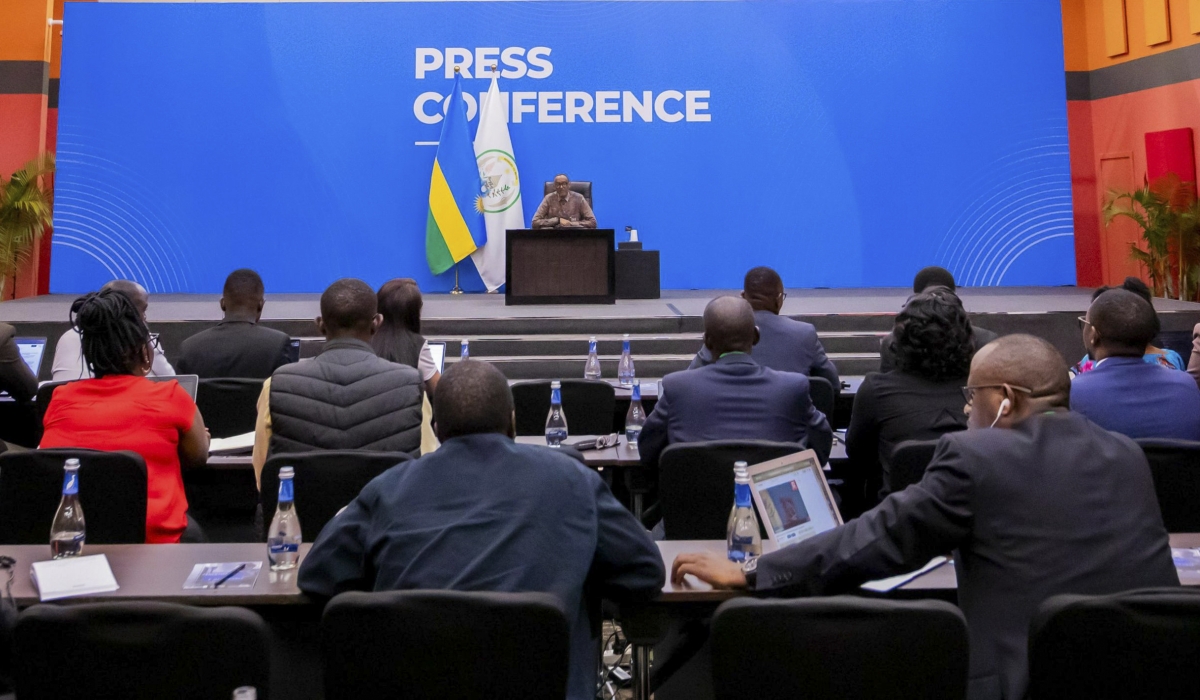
{"x":592,"y":348}
{"x":556,"y":396}
{"x":71,"y":483}
{"x":637,"y":393}
{"x":285,"y":491}
{"x":625,"y":346}
{"x":283,"y":547}
{"x":741,"y":495}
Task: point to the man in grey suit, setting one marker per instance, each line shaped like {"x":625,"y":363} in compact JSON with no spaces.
{"x":785,"y":344}
{"x":1049,"y":503}
{"x":735,"y":397}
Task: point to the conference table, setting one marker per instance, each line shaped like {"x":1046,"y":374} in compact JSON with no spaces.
{"x":150,"y":572}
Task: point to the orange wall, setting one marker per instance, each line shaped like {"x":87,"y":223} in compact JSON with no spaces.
{"x":1102,"y":126}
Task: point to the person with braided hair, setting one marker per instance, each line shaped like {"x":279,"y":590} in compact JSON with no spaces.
{"x":68,"y":353}
{"x":119,"y":409}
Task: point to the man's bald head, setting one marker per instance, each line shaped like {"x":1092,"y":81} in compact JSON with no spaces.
{"x":1019,"y":360}
{"x":729,"y":326}
{"x":349,"y":309}
{"x":136,"y":293}
{"x":763,"y":288}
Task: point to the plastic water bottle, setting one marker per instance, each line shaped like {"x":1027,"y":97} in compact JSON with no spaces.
{"x":246,"y":692}
{"x":592,"y":369}
{"x":283,"y":539}
{"x":625,"y":373}
{"x":68,"y":532}
{"x":465,"y":353}
{"x":744,"y":541}
{"x":556,"y":421}
{"x":635,"y":418}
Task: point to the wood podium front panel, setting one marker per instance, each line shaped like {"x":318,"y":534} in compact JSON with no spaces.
{"x":560,"y":266}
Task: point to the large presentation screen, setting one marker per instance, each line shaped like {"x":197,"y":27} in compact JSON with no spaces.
{"x":847,"y":143}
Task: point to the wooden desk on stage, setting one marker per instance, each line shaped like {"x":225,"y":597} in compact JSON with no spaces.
{"x":560,"y":266}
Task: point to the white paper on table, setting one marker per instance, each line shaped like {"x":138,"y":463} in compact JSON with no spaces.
{"x":884,"y":585}
{"x":237,"y":443}
{"x":73,"y":576}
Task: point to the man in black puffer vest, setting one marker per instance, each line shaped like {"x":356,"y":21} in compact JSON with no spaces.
{"x":346,"y":398}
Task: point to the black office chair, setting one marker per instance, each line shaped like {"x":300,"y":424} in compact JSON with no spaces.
{"x":325,"y":482}
{"x":1175,"y":466}
{"x":1179,"y":341}
{"x":1139,"y":644}
{"x":823,"y":396}
{"x":695,"y":483}
{"x":841,"y":647}
{"x":139,"y":651}
{"x":583,"y":188}
{"x":112,"y":493}
{"x":45,"y":392}
{"x":589,"y":406}
{"x":909,"y":461}
{"x":229,"y":406}
{"x":430,"y":645}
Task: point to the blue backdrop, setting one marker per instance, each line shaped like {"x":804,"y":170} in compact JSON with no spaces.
{"x":845,"y":143}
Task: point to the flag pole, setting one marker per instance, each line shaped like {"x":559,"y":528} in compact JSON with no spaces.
{"x":457,"y":289}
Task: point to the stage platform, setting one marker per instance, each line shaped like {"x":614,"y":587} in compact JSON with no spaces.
{"x":548,"y":341}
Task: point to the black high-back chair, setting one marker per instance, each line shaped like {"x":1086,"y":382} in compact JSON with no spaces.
{"x":324,"y":483}
{"x":139,"y":651}
{"x":695,"y":483}
{"x":1139,"y":644}
{"x":840,"y":647}
{"x":229,"y":406}
{"x":112,"y":493}
{"x":589,"y":405}
{"x":583,"y":188}
{"x":823,"y":396}
{"x":45,"y":393}
{"x":909,"y":461}
{"x":430,"y":645}
{"x":1175,"y":466}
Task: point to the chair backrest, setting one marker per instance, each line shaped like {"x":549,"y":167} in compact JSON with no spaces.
{"x":430,"y":645}
{"x":229,"y":406}
{"x":582,"y":187}
{"x":139,"y":651}
{"x":1139,"y":644}
{"x":840,"y":647}
{"x":695,"y":483}
{"x":1175,"y":466}
{"x":589,"y":404}
{"x":909,"y":461}
{"x":1179,"y":341}
{"x":325,"y":482}
{"x":823,"y":396}
{"x":112,"y":493}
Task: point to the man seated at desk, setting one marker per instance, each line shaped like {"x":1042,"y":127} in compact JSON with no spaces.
{"x":563,"y":208}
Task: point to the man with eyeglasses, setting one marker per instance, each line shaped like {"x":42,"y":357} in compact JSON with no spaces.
{"x":68,"y":353}
{"x":1033,"y":501}
{"x":784,"y":344}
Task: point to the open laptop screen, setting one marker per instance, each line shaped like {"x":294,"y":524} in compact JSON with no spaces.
{"x":794,"y":498}
{"x":438,"y":350}
{"x":32,"y":350}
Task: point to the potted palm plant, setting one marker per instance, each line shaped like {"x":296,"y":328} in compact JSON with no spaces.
{"x":1168,"y":214}
{"x":25,"y":212}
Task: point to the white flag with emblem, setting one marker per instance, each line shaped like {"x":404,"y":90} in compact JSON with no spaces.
{"x":503,"y":207}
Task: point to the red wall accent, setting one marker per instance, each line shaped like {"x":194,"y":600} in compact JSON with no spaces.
{"x":1171,"y":151}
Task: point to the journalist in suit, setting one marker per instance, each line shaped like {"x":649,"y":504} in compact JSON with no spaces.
{"x":1046,"y":503}
{"x":483,"y":513}
{"x":735,"y":397}
{"x":1123,"y":392}
{"x":784,"y":344}
{"x":237,"y":346}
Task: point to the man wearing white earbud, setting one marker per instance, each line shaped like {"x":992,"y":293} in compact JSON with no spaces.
{"x":1032,"y":500}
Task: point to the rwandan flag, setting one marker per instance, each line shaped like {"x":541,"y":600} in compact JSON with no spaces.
{"x":454,"y":228}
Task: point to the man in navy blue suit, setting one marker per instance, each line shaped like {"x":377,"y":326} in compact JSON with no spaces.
{"x":735,"y":397}
{"x":1124,"y":393}
{"x":784,"y":344}
{"x":483,"y":513}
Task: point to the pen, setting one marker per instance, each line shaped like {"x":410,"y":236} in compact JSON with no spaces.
{"x":230,"y":575}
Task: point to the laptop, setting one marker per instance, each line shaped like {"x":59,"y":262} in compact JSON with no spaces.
{"x":438,"y":350}
{"x":793,"y":497}
{"x":32,"y":350}
{"x":189,"y":382}
{"x":293,"y":350}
